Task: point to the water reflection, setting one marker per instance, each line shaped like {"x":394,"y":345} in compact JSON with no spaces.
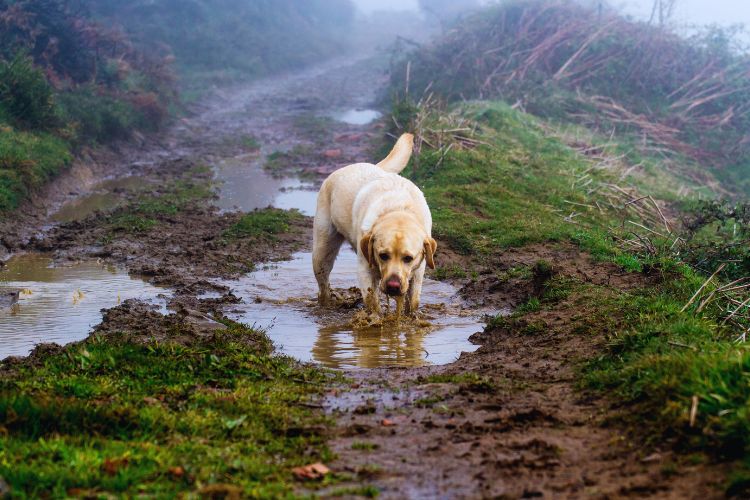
{"x":106,"y":195}
{"x":356,"y":116}
{"x":60,"y":304}
{"x":244,"y":185}
{"x":280,"y":298}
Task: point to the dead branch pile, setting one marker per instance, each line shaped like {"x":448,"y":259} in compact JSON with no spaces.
{"x":559,"y":59}
{"x":434,"y":125}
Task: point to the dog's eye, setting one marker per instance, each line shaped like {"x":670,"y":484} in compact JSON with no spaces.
{"x":408,"y":259}
{"x":384,"y":256}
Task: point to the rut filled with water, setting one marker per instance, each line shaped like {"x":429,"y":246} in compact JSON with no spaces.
{"x":43,"y":302}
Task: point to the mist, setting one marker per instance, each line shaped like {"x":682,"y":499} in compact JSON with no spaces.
{"x":370,"y":6}
{"x":695,"y":12}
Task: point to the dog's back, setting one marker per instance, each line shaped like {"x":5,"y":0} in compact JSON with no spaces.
{"x":345,"y":190}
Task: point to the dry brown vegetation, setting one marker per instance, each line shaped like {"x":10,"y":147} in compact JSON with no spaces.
{"x":673,"y":96}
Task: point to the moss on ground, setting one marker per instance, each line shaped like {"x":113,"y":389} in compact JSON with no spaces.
{"x":144,"y":213}
{"x":263,"y":223}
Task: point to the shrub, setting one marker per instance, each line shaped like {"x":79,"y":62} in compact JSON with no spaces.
{"x":96,"y":117}
{"x":27,"y":161}
{"x":25,"y":95}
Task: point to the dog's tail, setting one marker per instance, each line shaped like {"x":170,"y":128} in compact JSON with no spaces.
{"x":399,"y":156}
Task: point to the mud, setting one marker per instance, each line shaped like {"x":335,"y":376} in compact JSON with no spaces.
{"x":507,"y":421}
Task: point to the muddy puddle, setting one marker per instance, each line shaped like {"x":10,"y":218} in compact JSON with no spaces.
{"x":356,"y":116}
{"x":281,"y":299}
{"x":106,"y":195}
{"x":244,"y":185}
{"x":41,"y":302}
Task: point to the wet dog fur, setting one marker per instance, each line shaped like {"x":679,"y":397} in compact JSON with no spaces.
{"x":386,"y":220}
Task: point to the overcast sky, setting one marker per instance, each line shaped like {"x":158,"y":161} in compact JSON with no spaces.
{"x":370,"y":5}
{"x":699,"y":12}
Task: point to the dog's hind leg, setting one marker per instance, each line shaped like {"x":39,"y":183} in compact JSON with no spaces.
{"x":326,"y":244}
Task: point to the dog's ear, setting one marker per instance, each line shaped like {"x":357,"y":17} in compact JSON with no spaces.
{"x":366,"y":246}
{"x":430,"y":246}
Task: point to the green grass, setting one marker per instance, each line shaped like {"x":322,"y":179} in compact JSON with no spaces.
{"x":113,"y":417}
{"x":655,"y":358}
{"x":658,"y":358}
{"x":451,"y":272}
{"x":263,"y":223}
{"x":477,"y":195}
{"x":27,"y":161}
{"x":364,"y":446}
{"x":143,"y":213}
{"x":291,"y":163}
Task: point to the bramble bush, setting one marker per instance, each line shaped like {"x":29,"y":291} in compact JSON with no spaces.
{"x":25,"y":96}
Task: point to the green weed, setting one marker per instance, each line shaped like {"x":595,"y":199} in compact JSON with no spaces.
{"x":27,"y":161}
{"x":267,"y":222}
{"x":364,"y":446}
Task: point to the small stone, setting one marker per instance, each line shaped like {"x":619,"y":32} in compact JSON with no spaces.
{"x":332,"y":153}
{"x":654,"y":457}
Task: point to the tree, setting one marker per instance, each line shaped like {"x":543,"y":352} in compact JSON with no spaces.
{"x":663,"y":10}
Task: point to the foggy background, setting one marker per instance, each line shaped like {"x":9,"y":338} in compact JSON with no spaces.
{"x":701,"y":12}
{"x":687,"y":12}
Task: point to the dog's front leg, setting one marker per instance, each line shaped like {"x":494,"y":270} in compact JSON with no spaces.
{"x":368,"y":285}
{"x":415,"y":290}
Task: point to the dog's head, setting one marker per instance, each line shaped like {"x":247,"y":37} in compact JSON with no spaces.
{"x":397,"y":245}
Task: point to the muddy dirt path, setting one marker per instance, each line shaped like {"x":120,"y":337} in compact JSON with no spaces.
{"x":267,"y":144}
{"x":509,"y":420}
{"x":506,"y":421}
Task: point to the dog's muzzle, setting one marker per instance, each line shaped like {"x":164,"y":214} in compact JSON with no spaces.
{"x":393,"y":286}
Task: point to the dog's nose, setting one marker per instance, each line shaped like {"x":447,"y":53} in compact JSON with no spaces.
{"x":393,"y":286}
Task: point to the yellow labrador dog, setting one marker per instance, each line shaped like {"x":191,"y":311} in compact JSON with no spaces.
{"x":386,"y":220}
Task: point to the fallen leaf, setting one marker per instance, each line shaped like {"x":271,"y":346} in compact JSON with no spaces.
{"x":312,"y":471}
{"x":332,"y":153}
{"x":112,"y":465}
{"x":176,"y":472}
{"x":387,"y":423}
{"x":231,"y":424}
